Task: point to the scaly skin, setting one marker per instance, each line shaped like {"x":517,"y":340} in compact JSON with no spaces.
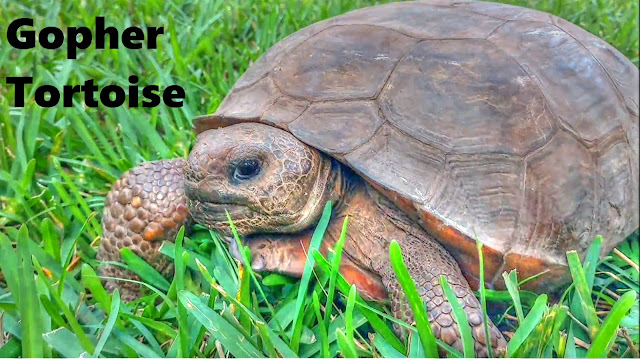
{"x":277,"y":200}
{"x":374,"y":221}
{"x":145,"y":207}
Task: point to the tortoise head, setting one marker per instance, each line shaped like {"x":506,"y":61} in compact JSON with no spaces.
{"x":268,"y":181}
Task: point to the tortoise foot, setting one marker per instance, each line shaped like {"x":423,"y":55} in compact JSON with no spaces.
{"x":427,"y":261}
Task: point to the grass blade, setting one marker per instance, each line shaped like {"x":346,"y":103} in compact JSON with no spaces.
{"x":50,"y":239}
{"x":318,"y":234}
{"x":111,"y":321}
{"x":244,"y":290}
{"x":263,"y":329}
{"x":64,"y":342}
{"x":9,"y":266}
{"x":77,"y":329}
{"x":348,"y":313}
{"x":483,"y":296}
{"x":461,"y":318}
{"x":138,"y":348}
{"x":591,"y":260}
{"x":609,"y":328}
{"x":347,"y":347}
{"x":511,"y":282}
{"x":143,"y":269}
{"x":367,"y":311}
{"x":324,"y":335}
{"x":178,"y":281}
{"x":52,"y":310}
{"x":219,"y":328}
{"x":416,"y":349}
{"x":570,"y":347}
{"x":158,"y":326}
{"x":335,"y":269}
{"x":415,"y":301}
{"x":279,"y":344}
{"x":90,"y":281}
{"x":386,"y":349}
{"x":32,"y":342}
{"x":584,"y":292}
{"x":528,"y":325}
{"x":11,"y":349}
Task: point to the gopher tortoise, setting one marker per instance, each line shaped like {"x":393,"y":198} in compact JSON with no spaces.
{"x":434,"y":124}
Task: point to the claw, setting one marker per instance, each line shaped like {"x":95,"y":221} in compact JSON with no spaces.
{"x":233,"y":248}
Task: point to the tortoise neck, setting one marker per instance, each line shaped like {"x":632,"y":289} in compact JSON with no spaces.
{"x":374,"y":221}
{"x":342,"y":185}
{"x":332,"y":184}
{"x":369,"y":228}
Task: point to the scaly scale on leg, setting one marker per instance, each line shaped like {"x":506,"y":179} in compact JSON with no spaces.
{"x":145,"y":207}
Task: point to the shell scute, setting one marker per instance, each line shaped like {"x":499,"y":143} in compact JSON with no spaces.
{"x":467,"y":96}
{"x":560,"y":199}
{"x":337,"y":128}
{"x":337,"y":65}
{"x":577,"y":88}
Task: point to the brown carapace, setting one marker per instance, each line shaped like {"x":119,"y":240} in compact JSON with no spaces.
{"x":434,"y":124}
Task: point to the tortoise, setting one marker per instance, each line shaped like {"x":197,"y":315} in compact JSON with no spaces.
{"x":434,"y":124}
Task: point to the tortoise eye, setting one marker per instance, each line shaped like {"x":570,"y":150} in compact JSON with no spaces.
{"x":246,"y":169}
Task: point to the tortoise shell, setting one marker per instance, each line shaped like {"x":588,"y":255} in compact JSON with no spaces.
{"x":479,"y":120}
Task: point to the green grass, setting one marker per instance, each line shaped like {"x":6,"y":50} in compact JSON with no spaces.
{"x":56,"y":166}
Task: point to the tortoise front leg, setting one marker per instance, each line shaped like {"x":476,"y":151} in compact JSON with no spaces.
{"x":426,"y":261}
{"x":287,"y":254}
{"x":145,"y":207}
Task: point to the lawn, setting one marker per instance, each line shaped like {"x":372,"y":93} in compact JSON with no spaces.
{"x":57,"y":164}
